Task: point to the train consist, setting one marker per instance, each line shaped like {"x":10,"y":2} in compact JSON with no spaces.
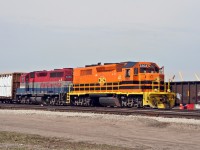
{"x":124,"y":84}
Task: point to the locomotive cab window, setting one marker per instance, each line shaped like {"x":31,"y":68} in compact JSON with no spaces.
{"x":128,"y":73}
{"x":56,"y":74}
{"x":23,"y":80}
{"x":32,"y":75}
{"x":42,"y":74}
{"x":135,"y":71}
{"x":68,"y":77}
{"x":158,"y":70}
{"x":143,"y":70}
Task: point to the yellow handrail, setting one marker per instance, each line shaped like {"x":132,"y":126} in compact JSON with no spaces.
{"x":88,"y":87}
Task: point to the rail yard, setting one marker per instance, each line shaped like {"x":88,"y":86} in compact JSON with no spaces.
{"x":173,"y":113}
{"x":121,"y":131}
{"x":99,"y":75}
{"x":123,"y":84}
{"x":112,"y":104}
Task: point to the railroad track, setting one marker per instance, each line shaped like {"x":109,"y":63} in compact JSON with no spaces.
{"x":174,"y":113}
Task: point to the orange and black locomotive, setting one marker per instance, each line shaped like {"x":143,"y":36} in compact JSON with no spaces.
{"x":125,"y":84}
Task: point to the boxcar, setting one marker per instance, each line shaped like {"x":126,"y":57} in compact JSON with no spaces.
{"x":9,"y":82}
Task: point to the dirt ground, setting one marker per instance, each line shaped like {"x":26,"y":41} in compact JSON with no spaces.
{"x":135,"y":132}
{"x":20,"y":141}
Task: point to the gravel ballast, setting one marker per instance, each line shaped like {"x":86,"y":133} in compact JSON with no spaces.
{"x":99,"y":116}
{"x":135,"y":132}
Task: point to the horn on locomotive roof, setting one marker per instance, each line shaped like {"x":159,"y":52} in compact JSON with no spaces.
{"x":98,"y":64}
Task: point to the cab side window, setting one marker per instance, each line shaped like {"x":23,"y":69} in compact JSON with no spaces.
{"x":32,"y":75}
{"x":128,"y":73}
{"x":135,"y":71}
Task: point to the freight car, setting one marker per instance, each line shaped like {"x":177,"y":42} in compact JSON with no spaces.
{"x":187,"y":92}
{"x":48,"y":87}
{"x":9,"y":82}
{"x":125,"y":84}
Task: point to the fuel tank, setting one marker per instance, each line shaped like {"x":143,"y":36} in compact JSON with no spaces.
{"x":109,"y":101}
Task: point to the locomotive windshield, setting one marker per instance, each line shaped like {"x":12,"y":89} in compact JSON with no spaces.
{"x":144,"y":68}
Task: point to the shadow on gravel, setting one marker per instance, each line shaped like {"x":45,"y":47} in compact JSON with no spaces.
{"x":158,"y":124}
{"x":153,"y":123}
{"x":18,"y":141}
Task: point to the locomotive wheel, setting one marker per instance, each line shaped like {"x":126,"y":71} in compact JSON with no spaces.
{"x":138,"y":102}
{"x":124,"y":103}
{"x":56,"y":100}
{"x":60,"y":102}
{"x":47,"y":101}
{"x":26,"y":101}
{"x":18,"y":100}
{"x":130,"y":102}
{"x":23,"y":100}
{"x":52,"y":101}
{"x":82,"y":101}
{"x":87,"y":101}
{"x":75,"y":101}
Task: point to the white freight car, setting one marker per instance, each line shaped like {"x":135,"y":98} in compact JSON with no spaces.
{"x":9,"y":82}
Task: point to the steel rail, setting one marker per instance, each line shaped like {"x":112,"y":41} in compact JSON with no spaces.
{"x":173,"y":113}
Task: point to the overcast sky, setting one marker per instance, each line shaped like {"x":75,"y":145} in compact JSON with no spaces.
{"x":48,"y":34}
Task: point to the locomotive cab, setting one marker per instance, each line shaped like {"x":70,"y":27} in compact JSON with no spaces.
{"x":150,"y":80}
{"x":144,"y":74}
